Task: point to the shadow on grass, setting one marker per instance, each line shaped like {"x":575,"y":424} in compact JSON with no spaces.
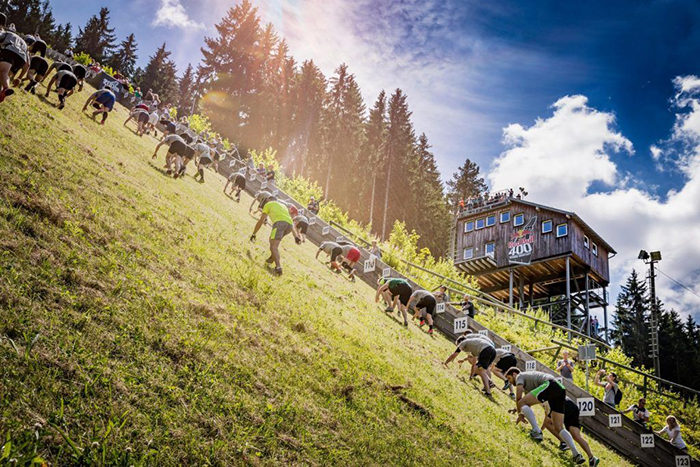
{"x":161,"y":170}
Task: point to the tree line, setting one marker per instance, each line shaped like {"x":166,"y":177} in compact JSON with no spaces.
{"x":679,"y":340}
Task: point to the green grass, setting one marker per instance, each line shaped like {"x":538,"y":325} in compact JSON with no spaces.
{"x":139,"y":327}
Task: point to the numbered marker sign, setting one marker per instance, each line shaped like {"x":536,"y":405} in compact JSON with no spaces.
{"x":647,"y":440}
{"x":369,"y":265}
{"x":301,"y":211}
{"x":506,"y":347}
{"x":682,"y":461}
{"x":275,"y":192}
{"x":440,"y":308}
{"x":386,"y":272}
{"x":615,"y":420}
{"x":530,"y":365}
{"x":252,"y":177}
{"x":484,"y":332}
{"x":263,"y":186}
{"x":461,"y":324}
{"x":586,"y":406}
{"x":232,"y":163}
{"x":326,"y":230}
{"x":339,"y":239}
{"x":312,"y":220}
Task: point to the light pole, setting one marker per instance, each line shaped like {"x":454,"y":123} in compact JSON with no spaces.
{"x":651,"y":259}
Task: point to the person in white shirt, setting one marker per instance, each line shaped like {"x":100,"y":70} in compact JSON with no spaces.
{"x":639,"y":412}
{"x":673,"y":430}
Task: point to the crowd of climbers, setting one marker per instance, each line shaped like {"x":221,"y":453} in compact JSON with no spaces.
{"x":23,"y":59}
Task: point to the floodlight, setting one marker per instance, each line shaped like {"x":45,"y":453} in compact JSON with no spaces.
{"x":643,"y":255}
{"x":656,"y":256}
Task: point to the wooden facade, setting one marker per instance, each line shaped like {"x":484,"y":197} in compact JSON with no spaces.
{"x":567,"y":270}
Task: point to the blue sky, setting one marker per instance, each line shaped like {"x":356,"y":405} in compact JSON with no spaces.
{"x":574,"y":100}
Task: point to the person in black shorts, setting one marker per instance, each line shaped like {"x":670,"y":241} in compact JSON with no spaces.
{"x":396,"y":293}
{"x":481,"y":354}
{"x":301,"y":222}
{"x":38,"y":47}
{"x":334,"y":251}
{"x":205,"y":160}
{"x":80,"y":72}
{"x":573,"y":425}
{"x":176,"y":148}
{"x":59,"y":66}
{"x":237,"y":181}
{"x":424,"y":304}
{"x":65,"y":84}
{"x":13,"y":57}
{"x":186,"y":136}
{"x":504,"y":361}
{"x":35,"y":71}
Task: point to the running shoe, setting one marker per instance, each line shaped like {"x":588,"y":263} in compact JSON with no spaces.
{"x":594,"y":462}
{"x":389,"y":309}
{"x":536,"y":435}
{"x":430,"y":331}
{"x":563,"y":446}
{"x":6,"y":93}
{"x":278,"y":271}
{"x":506,"y":386}
{"x":422,"y":322}
{"x":512,"y":396}
{"x":578,"y":459}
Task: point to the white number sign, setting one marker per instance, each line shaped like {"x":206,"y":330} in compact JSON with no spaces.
{"x":301,"y":211}
{"x":530,"y":365}
{"x":263,"y":186}
{"x":647,"y":440}
{"x":461,"y":324}
{"x":440,"y":308}
{"x":614,"y":420}
{"x":386,"y":272}
{"x":682,"y":461}
{"x":484,"y":332}
{"x":232,"y":163}
{"x":326,"y":230}
{"x":252,"y":177}
{"x":586,"y":406}
{"x":339,"y":239}
{"x":506,"y":347}
{"x":312,"y":220}
{"x":275,"y":192}
{"x":369,"y":265}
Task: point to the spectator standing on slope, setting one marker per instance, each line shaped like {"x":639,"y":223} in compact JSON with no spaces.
{"x":441,"y":295}
{"x":374,"y":250}
{"x":610,"y":385}
{"x":565,"y":367}
{"x":467,"y":306}
{"x":673,"y":430}
{"x":640,"y":413}
{"x":313,"y":206}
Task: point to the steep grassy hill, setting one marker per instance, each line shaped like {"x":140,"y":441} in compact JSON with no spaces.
{"x":138,"y":327}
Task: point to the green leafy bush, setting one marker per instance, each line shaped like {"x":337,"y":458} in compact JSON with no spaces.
{"x":83,"y":58}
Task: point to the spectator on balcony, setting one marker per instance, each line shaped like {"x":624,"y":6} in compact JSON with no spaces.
{"x":565,"y":367}
{"x":640,"y":413}
{"x":461,"y":204}
{"x":673,"y":430}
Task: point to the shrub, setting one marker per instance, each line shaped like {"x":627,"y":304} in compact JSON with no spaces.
{"x":83,"y":58}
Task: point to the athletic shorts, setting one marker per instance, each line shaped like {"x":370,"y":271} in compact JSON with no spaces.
{"x":552,"y":392}
{"x":280,"y":229}
{"x":205,"y":161}
{"x":240,"y":182}
{"x":38,"y":47}
{"x":143,"y":117}
{"x":39,"y":66}
{"x":178,"y":147}
{"x":142,"y":107}
{"x":302,"y":227}
{"x":486,"y":357}
{"x":404,"y":291}
{"x":353,"y":255}
{"x":429,"y":303}
{"x":337,"y":251}
{"x":217,"y":156}
{"x":507,"y":362}
{"x":14,"y":59}
{"x":571,"y":415}
{"x":65,"y":66}
{"x":79,"y":71}
{"x":170,"y":127}
{"x":107,"y":100}
{"x":189,"y":153}
{"x":67,"y":82}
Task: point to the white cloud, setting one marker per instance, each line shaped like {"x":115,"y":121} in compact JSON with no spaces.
{"x":558,"y":158}
{"x":172,"y":14}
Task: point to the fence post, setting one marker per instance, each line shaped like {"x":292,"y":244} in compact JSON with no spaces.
{"x":645,"y":387}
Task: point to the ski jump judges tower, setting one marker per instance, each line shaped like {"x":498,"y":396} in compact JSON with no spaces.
{"x":528,"y":254}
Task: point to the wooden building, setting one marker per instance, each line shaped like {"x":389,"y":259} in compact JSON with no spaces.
{"x":529,"y":254}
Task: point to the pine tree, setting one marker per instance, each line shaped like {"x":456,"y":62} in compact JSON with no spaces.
{"x":138,"y":77}
{"x":160,"y":76}
{"x":97,"y":38}
{"x":186,"y":92}
{"x":124,"y":59}
{"x":29,"y":16}
{"x":374,"y":147}
{"x":465,"y":183}
{"x":306,"y":136}
{"x":631,"y":320}
{"x":62,"y":38}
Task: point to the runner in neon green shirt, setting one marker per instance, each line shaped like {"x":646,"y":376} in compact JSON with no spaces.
{"x":282,"y":224}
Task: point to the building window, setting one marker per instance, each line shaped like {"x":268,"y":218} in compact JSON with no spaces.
{"x":480,"y":223}
{"x":519,"y":219}
{"x":594,"y":249}
{"x":562,"y":230}
{"x":490,"y":248}
{"x":505,"y":217}
{"x":469,"y":226}
{"x":586,"y":243}
{"x":547,"y":226}
{"x":468,"y":253}
{"x":491,"y":220}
